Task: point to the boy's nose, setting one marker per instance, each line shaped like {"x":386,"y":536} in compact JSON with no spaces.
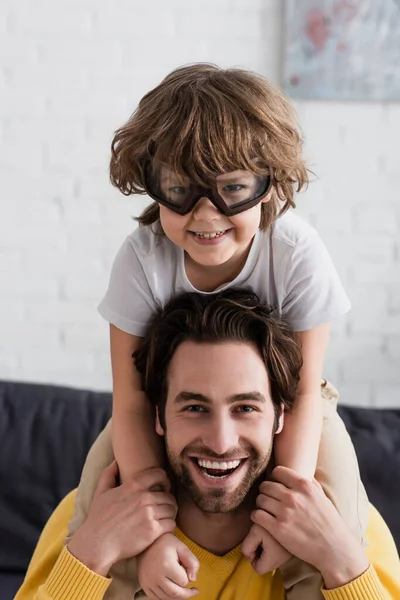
{"x":205,"y":210}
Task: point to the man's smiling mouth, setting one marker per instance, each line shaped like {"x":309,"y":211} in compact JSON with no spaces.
{"x":217,"y":469}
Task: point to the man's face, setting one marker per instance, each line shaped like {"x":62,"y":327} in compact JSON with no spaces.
{"x":220,"y":422}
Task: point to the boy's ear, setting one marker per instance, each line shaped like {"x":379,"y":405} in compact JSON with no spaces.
{"x":159,"y":429}
{"x":268,"y":196}
{"x":281,"y":420}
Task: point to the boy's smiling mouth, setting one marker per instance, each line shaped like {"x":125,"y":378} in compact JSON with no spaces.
{"x":209,"y":236}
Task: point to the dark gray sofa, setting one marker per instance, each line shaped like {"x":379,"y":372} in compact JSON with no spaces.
{"x":46,"y":432}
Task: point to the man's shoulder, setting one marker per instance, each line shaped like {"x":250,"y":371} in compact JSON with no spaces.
{"x":62,"y":514}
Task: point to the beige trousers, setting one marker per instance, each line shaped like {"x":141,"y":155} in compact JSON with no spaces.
{"x":337,"y":471}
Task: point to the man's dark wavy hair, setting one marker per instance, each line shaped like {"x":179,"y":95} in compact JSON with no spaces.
{"x":231,"y":315}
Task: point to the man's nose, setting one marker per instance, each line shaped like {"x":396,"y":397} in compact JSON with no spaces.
{"x":205,"y":210}
{"x":221,"y":435}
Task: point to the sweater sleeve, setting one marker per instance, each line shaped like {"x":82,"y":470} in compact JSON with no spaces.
{"x":366,"y":586}
{"x":381,"y":581}
{"x":53,"y":573}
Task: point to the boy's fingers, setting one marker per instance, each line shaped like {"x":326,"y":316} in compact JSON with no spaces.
{"x":287,"y":476}
{"x":178,"y":576}
{"x":108,"y":479}
{"x":171,"y":591}
{"x":189,"y":562}
{"x":273,"y":489}
{"x":257,"y":566}
{"x":268,"y":504}
{"x":153,"y":479}
{"x":152,"y":594}
{"x":250,"y":545}
{"x":249,"y":554}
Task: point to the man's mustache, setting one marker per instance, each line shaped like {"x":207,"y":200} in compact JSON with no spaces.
{"x":204,"y":452}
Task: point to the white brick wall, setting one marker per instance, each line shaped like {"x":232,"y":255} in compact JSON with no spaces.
{"x":70,"y":73}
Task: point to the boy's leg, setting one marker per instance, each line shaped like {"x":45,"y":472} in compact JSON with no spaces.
{"x":301,"y":580}
{"x":125,"y":583}
{"x":338,"y":473}
{"x":99,"y":457}
{"x":337,"y":467}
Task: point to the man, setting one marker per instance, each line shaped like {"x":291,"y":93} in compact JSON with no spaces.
{"x":219,"y":371}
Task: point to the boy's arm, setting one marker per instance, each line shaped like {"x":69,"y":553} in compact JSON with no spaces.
{"x":46,"y":576}
{"x":297,"y":446}
{"x":135,"y":443}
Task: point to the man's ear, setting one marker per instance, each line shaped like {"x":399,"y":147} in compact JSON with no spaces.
{"x":159,"y":429}
{"x":281,"y":420}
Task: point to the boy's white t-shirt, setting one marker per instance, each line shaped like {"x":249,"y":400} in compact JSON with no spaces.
{"x":288,"y":267}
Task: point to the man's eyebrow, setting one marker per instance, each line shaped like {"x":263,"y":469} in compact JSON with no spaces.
{"x":248,"y":396}
{"x":190,"y":396}
{"x":252,"y":396}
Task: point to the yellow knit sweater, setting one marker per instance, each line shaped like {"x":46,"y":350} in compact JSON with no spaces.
{"x":54,"y":574}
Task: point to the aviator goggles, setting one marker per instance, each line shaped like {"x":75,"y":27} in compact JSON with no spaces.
{"x":232,"y":193}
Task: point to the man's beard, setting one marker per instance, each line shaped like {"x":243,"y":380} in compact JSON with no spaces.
{"x":218,"y":500}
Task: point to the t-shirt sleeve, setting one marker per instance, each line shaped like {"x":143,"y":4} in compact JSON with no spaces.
{"x":313,"y":294}
{"x":128,"y":303}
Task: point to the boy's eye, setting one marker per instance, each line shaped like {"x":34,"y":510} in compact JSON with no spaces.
{"x":177,"y":189}
{"x":233,"y":187}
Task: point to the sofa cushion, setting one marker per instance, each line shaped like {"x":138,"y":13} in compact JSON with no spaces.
{"x":10,"y":584}
{"x":376,"y":437}
{"x":45,"y":434}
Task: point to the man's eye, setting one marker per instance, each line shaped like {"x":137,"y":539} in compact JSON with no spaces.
{"x":194,"y":408}
{"x":245,"y":408}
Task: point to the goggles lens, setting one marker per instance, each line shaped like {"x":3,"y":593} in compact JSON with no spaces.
{"x":230,"y":192}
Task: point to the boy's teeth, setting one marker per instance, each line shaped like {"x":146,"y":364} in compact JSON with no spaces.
{"x":221,"y":466}
{"x":209,"y":236}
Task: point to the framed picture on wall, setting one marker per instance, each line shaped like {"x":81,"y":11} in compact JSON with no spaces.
{"x":342,"y":49}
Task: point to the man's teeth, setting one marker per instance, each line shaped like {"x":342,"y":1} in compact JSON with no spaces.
{"x":209,"y":236}
{"x":220,"y":466}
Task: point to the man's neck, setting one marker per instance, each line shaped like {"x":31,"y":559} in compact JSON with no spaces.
{"x":218,"y":533}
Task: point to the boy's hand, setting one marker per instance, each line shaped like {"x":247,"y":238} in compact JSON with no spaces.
{"x":166,"y":568}
{"x":263,"y":551}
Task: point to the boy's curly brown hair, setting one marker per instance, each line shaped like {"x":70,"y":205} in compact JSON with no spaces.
{"x":204,"y":121}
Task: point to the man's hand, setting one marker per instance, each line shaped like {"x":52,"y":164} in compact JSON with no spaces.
{"x":125,"y":520}
{"x":263,"y":551}
{"x":303,"y":520}
{"x":166,"y":568}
